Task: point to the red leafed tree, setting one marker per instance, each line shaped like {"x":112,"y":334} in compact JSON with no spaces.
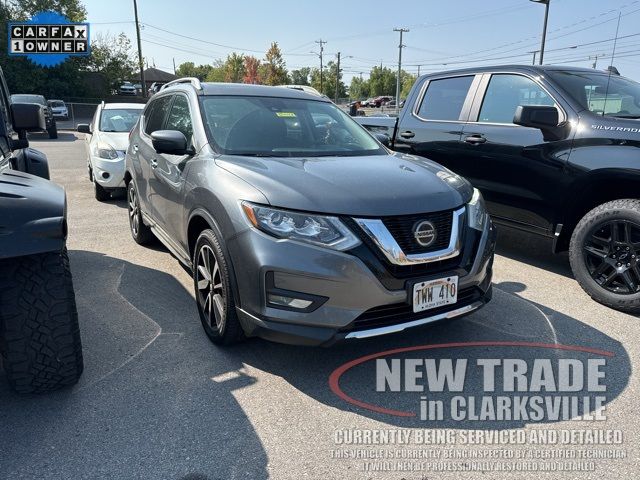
{"x":251,"y":70}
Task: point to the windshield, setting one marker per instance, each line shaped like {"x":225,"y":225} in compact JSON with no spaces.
{"x":56,"y":103}
{"x":601,"y":93}
{"x":283,"y":127}
{"x":118,"y":119}
{"x":28,"y":99}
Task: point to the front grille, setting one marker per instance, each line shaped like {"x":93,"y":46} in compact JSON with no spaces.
{"x":396,"y":313}
{"x":402,"y":229}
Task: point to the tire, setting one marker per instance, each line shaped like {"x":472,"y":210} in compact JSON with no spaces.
{"x":101,"y":194}
{"x":139,"y":231}
{"x":605,"y":254}
{"x":53,"y":131}
{"x":39,"y":332}
{"x":216,"y":304}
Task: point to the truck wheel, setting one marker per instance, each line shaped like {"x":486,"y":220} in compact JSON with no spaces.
{"x":212,"y":284}
{"x":139,"y":231}
{"x":101,"y":194}
{"x":605,"y":251}
{"x":53,"y":131}
{"x":39,"y":332}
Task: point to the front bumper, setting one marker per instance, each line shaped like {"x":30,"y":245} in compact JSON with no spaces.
{"x":358,"y":295}
{"x":108,"y":173}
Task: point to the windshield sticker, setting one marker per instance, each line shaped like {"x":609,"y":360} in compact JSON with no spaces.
{"x":286,"y":114}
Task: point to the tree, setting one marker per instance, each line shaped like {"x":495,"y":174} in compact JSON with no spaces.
{"x":189,"y":69}
{"x":234,"y":68}
{"x":215,"y":72}
{"x":300,"y":76}
{"x":359,"y":88}
{"x":382,"y":81}
{"x":251,"y":70}
{"x":275,"y":71}
{"x":74,"y":10}
{"x":407,"y":82}
{"x":113,"y":57}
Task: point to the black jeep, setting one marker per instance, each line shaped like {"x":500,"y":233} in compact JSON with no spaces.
{"x":39,"y":333}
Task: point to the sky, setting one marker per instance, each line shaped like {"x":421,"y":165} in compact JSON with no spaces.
{"x":443,"y":35}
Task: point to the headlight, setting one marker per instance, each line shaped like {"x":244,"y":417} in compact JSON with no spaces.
{"x":319,"y":230}
{"x":106,"y":151}
{"x":476,"y":211}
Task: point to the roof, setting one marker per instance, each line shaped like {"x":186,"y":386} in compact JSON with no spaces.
{"x":111,"y":106}
{"x":156,"y":75}
{"x":539,"y":69}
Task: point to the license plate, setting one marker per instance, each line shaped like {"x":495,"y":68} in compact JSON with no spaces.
{"x":435,"y":293}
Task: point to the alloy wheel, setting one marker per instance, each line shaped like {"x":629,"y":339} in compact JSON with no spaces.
{"x":134,"y":209}
{"x":210,"y":287}
{"x":611,"y":255}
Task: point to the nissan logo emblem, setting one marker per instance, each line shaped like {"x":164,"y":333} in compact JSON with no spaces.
{"x":425,"y":233}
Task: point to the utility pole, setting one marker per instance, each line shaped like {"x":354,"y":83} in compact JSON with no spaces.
{"x":321,"y":43}
{"x":398,"y":86}
{"x":595,"y":60}
{"x":419,"y":69}
{"x":140,"y":63}
{"x":337,"y":78}
{"x":174,"y":65}
{"x":544,"y":27}
{"x":535,"y":52}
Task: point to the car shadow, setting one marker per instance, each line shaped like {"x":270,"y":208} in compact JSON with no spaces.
{"x":532,"y":250}
{"x":156,"y":399}
{"x":44,"y":137}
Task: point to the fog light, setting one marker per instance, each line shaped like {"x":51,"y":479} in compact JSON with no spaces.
{"x":105,"y":175}
{"x":288,"y":301}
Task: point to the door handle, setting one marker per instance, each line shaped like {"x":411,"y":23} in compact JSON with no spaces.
{"x":475,"y":139}
{"x":154,"y":163}
{"x":407,"y":134}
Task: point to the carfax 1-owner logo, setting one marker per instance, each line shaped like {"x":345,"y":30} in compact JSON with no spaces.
{"x":48,"y":39}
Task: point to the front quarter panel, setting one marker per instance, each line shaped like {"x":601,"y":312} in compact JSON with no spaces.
{"x":217,"y":193}
{"x":33,"y":215}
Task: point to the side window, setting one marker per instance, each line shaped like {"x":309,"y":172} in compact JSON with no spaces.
{"x":445,"y":98}
{"x":156,"y":113}
{"x":180,"y":117}
{"x":505,"y":93}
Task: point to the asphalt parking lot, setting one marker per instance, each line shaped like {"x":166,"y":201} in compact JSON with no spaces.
{"x":158,"y":400}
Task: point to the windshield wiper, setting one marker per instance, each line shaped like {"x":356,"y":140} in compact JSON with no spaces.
{"x":625,"y":116}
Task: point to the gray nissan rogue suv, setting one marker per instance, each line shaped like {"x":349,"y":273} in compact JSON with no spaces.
{"x":297,"y":224}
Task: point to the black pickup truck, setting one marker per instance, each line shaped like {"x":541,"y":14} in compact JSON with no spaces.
{"x":555,"y":152}
{"x":40,"y":342}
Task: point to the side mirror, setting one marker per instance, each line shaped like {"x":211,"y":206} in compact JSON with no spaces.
{"x":84,"y":128}
{"x":383,"y":138}
{"x":28,"y":117}
{"x":537,"y":116}
{"x":171,"y":142}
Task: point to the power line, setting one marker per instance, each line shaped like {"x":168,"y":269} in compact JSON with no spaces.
{"x":217,"y":44}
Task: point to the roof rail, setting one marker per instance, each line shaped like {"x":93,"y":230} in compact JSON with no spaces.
{"x":192,"y":80}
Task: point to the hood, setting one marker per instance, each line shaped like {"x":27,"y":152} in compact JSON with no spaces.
{"x":374,"y":186}
{"x":118,"y":140}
